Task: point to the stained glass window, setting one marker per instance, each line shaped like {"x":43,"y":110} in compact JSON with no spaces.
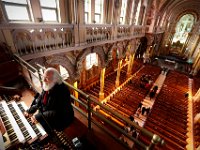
{"x":183,"y":27}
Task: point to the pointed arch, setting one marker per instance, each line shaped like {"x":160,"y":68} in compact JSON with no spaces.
{"x":65,"y":62}
{"x":100,"y":52}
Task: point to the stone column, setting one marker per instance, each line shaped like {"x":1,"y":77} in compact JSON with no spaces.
{"x":118,"y":73}
{"x":196,"y":60}
{"x":132,"y":61}
{"x":130,"y":65}
{"x":76,"y":93}
{"x":80,"y":29}
{"x":197,"y":93}
{"x":196,"y":97}
{"x":9,"y":40}
{"x":83,"y":75}
{"x":196,"y":66}
{"x":195,"y":46}
{"x":102,"y":77}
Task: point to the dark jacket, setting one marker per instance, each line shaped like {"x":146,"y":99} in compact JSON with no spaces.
{"x":58,"y":110}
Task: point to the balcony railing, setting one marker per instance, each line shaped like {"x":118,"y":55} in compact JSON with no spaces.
{"x":95,"y":117}
{"x":34,"y":38}
{"x":138,"y":31}
{"x":96,"y":33}
{"x":42,"y":38}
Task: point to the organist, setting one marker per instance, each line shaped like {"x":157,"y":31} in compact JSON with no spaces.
{"x":53,"y":104}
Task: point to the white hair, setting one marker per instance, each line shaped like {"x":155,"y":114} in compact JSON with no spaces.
{"x":57,"y":79}
{"x":56,"y":75}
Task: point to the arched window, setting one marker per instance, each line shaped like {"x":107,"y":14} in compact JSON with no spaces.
{"x":183,"y":27}
{"x":123,"y":12}
{"x":63,"y":72}
{"x":91,"y":59}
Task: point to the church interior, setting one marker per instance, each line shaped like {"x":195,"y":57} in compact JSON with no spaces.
{"x":132,"y":67}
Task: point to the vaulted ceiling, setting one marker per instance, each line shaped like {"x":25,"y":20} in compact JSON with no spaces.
{"x":178,"y":7}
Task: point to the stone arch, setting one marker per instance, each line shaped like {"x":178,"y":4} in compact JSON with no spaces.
{"x":65,"y":62}
{"x":133,"y":46}
{"x":128,"y":49}
{"x":113,"y":52}
{"x":117,"y":49}
{"x":40,"y":61}
{"x":120,"y":50}
{"x":99,"y":50}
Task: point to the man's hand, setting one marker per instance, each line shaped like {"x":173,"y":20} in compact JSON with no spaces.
{"x":26,"y":114}
{"x":33,"y":120}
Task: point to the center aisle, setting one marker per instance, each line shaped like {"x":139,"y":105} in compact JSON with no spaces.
{"x":142,"y":112}
{"x":140,"y":116}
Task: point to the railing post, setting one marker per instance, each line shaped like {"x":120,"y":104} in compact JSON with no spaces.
{"x":155,"y":140}
{"x":89,"y":113}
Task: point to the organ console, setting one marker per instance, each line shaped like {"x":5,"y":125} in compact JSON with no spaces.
{"x":15,"y":128}
{"x":41,"y":134}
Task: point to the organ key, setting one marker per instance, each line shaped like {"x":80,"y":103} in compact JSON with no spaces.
{"x":24,"y":125}
{"x":10,"y":124}
{"x":41,"y":133}
{"x":4,"y":139}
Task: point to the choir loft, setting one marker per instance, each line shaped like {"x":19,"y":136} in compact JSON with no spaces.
{"x":132,"y":67}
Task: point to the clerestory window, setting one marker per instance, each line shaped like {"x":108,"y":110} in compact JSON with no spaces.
{"x":22,"y":7}
{"x":49,"y":9}
{"x":123,"y":12}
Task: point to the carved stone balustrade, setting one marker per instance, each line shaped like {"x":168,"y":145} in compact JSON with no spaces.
{"x":29,"y":40}
{"x":42,"y":38}
{"x":123,"y":31}
{"x":95,"y":33}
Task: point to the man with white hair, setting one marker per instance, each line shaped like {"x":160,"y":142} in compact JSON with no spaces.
{"x":55,"y":109}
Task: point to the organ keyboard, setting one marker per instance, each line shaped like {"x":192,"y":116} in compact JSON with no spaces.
{"x":25,"y":127}
{"x":41,"y":133}
{"x":2,"y":131}
{"x":18,"y":129}
{"x":10,"y":124}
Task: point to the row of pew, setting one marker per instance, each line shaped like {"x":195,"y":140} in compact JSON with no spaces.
{"x":168,"y":117}
{"x":126,"y":101}
{"x":196,"y":110}
{"x":109,"y":82}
